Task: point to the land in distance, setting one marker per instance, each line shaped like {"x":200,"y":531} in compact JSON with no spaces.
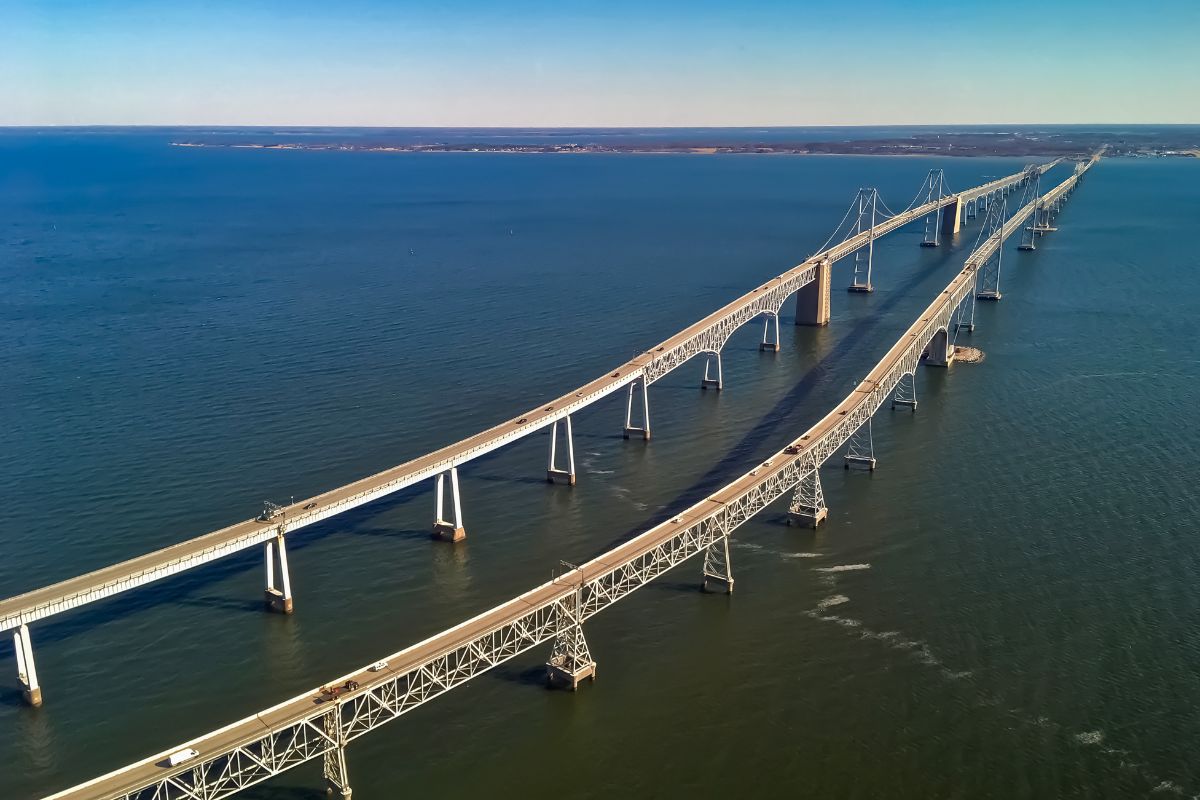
{"x":1065,"y":141}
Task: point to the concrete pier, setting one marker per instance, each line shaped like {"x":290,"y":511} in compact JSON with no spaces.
{"x":860,"y":462}
{"x":555,"y":474}
{"x":560,"y":476}
{"x":448,"y":532}
{"x":717,"y":584}
{"x":710,"y":381}
{"x":812,"y":301}
{"x":31,"y":690}
{"x":940,"y":352}
{"x":278,"y":598}
{"x":768,"y":345}
{"x":275,"y":601}
{"x":807,"y":517}
{"x":644,"y":429}
{"x":952,"y":217}
{"x":563,"y":677}
{"x":443,"y":529}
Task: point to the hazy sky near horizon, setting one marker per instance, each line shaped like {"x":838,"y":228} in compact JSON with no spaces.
{"x":615,"y":63}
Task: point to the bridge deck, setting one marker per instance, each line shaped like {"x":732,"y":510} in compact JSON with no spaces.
{"x":92,"y":586}
{"x":813,"y":447}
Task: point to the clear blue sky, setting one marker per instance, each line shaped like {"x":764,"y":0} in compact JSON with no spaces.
{"x":615,"y":62}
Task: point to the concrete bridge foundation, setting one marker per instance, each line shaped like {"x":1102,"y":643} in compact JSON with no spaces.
{"x":553,"y":473}
{"x":812,"y":300}
{"x":709,"y":380}
{"x":278,"y":598}
{"x":940,"y":352}
{"x":31,"y":690}
{"x":644,"y":429}
{"x":769,"y":321}
{"x":952,"y":217}
{"x":443,"y":529}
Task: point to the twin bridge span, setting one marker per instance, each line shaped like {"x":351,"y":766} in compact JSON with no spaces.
{"x":320,"y":723}
{"x":810,"y":281}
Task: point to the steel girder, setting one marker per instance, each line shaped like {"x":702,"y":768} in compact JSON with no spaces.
{"x":329,"y":726}
{"x":767,"y":300}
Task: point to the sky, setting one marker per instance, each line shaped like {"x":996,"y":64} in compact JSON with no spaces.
{"x":611,"y":63}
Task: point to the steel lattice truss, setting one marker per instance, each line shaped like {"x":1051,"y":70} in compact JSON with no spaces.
{"x":331,"y":725}
{"x":767,"y":299}
{"x":305,"y":728}
{"x":708,"y":336}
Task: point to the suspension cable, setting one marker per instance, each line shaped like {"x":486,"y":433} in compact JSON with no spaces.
{"x":890,"y":214}
{"x":833,"y":235}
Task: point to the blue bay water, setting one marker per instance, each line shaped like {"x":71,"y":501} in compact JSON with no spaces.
{"x":1004,"y":609}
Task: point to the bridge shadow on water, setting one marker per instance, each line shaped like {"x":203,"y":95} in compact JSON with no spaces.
{"x":295,"y":792}
{"x":522,"y":674}
{"x":186,"y":588}
{"x":783,"y":413}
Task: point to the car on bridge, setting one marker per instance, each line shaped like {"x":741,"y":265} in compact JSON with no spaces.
{"x":328,"y":693}
{"x":182,"y":756}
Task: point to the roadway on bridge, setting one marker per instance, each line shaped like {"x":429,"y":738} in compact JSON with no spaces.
{"x":72,"y":593}
{"x":816,"y":440}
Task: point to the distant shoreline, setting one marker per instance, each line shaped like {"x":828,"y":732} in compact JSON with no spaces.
{"x":937,"y":147}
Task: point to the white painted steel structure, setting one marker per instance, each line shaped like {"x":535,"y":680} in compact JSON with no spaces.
{"x":708,"y":336}
{"x":308,"y":726}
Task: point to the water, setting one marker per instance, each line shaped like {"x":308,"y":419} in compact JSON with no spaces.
{"x":1004,"y":609}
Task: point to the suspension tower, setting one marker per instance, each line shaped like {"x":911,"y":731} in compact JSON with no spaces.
{"x":935,"y":183}
{"x":1030,"y":234}
{"x":987,"y":286}
{"x":866,"y":203}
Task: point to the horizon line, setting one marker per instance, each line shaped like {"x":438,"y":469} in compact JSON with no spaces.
{"x":594,"y":127}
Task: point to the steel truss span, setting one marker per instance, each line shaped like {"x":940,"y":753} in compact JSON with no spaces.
{"x":708,"y":335}
{"x":312,"y":726}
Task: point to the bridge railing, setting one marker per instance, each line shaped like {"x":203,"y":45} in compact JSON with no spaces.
{"x":304,"y":728}
{"x":708,"y":335}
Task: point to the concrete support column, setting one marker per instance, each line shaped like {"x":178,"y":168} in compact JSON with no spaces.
{"x":278,"y":598}
{"x":644,"y":429}
{"x":31,"y":690}
{"x":812,"y":300}
{"x":443,"y":529}
{"x":553,"y":473}
{"x":769,"y":321}
{"x":952,"y":217}
{"x":940,"y":352}
{"x":710,"y":380}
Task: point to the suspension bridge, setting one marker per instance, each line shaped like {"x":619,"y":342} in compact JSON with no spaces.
{"x":320,"y":723}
